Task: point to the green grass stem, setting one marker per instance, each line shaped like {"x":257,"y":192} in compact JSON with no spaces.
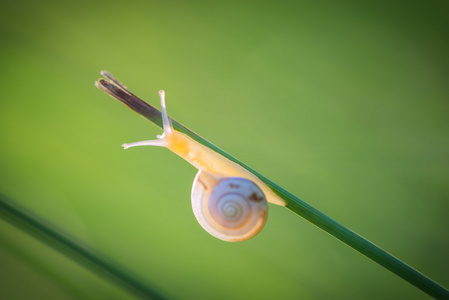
{"x":118,"y":91}
{"x":73,"y":248}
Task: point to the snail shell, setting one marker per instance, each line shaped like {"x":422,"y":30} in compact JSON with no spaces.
{"x":231,"y":209}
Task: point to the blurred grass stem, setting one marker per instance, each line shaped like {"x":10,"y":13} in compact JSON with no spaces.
{"x":118,"y":91}
{"x":61,"y":241}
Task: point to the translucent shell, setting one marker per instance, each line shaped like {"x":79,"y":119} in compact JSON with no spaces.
{"x":231,"y":209}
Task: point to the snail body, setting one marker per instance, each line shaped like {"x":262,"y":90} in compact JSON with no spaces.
{"x":228,"y":201}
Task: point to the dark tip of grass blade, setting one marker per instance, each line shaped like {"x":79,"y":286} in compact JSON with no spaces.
{"x":129,"y":99}
{"x":109,"y":76}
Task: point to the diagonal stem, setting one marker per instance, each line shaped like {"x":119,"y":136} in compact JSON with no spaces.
{"x":118,"y":91}
{"x":75,"y":249}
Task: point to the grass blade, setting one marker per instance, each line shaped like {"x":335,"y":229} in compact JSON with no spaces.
{"x":61,"y":241}
{"x":118,"y":91}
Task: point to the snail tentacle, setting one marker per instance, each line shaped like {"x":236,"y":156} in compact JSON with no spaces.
{"x":166,"y":122}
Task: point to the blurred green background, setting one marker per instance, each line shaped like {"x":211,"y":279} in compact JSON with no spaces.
{"x":344,"y":104}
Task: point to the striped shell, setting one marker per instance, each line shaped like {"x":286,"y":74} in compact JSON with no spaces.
{"x":231,"y":209}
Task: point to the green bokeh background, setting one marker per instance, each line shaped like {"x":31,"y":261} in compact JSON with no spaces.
{"x":344,"y":104}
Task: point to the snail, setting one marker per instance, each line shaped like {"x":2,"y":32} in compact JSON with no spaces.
{"x":228,"y":201}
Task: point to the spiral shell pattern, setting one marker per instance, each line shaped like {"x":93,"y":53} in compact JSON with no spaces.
{"x":232,"y":209}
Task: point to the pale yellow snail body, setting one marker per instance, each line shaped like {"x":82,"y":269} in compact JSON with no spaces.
{"x":228,"y":201}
